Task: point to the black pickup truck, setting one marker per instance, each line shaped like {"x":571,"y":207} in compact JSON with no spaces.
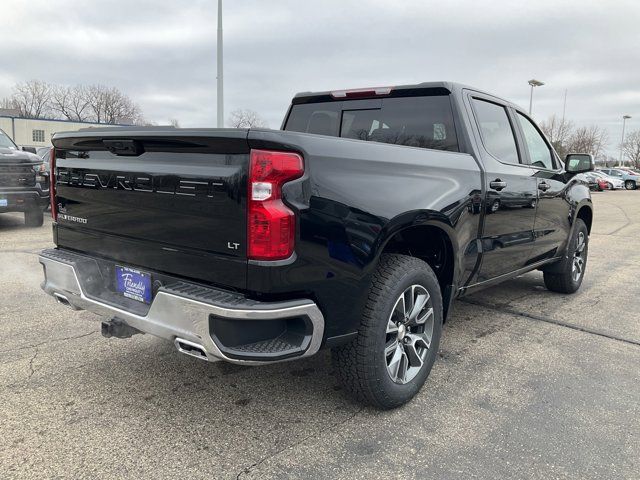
{"x":353,"y":228}
{"x":24,"y":182}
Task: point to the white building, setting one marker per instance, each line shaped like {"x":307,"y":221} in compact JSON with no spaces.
{"x":37,"y":132}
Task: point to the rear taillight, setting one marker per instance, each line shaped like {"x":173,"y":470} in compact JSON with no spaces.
{"x":271,"y":225}
{"x":52,"y":185}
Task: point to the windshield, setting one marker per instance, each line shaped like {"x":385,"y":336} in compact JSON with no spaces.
{"x":6,"y":142}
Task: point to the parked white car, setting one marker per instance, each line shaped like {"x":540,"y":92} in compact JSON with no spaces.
{"x":616,"y":183}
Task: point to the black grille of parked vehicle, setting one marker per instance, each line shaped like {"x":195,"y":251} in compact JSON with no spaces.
{"x":17,"y":176}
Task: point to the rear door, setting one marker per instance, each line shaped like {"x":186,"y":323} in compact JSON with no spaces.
{"x":510,"y":196}
{"x":552,"y":223}
{"x":169,"y":201}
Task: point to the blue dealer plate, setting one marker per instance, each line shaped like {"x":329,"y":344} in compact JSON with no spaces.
{"x":133,"y":284}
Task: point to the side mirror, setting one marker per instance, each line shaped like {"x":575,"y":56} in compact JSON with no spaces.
{"x":28,"y":149}
{"x":578,"y":163}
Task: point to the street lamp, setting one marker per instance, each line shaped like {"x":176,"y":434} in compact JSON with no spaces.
{"x":624,"y":120}
{"x":220,"y":100}
{"x":534,"y":83}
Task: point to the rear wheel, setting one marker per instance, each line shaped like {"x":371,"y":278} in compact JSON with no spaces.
{"x":34,"y":218}
{"x":397,"y":342}
{"x":630,"y":185}
{"x":568,"y":277}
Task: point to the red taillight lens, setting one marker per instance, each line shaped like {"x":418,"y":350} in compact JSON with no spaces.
{"x":52,"y":185}
{"x":271,"y":225}
{"x":361,"y":92}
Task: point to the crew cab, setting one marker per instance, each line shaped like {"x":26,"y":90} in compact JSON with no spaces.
{"x":24,"y":182}
{"x":353,"y":228}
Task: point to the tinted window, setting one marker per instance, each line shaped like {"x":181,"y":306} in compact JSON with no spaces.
{"x":497,"y":133}
{"x":318,"y":118}
{"x":425,"y":122}
{"x":539,"y":151}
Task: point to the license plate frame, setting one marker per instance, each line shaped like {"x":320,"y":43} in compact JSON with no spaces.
{"x":134,"y":284}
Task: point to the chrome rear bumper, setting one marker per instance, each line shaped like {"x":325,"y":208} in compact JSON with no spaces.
{"x":182,"y":313}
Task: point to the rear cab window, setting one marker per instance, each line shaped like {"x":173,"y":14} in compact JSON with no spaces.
{"x":421,"y":121}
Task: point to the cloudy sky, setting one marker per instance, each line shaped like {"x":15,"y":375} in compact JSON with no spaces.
{"x":162,"y":53}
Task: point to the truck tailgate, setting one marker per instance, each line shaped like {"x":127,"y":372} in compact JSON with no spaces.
{"x":166,"y":200}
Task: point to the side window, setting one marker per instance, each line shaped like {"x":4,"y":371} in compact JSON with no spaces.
{"x":496,"y":130}
{"x":539,"y":151}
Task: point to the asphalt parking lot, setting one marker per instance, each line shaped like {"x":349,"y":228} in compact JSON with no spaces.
{"x":529,"y":384}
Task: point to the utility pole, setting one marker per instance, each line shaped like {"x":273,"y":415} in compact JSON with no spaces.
{"x":220,"y":100}
{"x":624,"y":119}
{"x":564,"y":106}
{"x":534,"y":83}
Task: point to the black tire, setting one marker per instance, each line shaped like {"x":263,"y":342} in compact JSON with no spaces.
{"x":34,"y":218}
{"x":362,"y":364}
{"x":562,"y":277}
{"x":610,"y":185}
{"x":630,"y":185}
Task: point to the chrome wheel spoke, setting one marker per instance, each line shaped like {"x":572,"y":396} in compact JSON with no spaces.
{"x":581,"y":244}
{"x":420,"y":302}
{"x":413,"y":351}
{"x":408,"y":302}
{"x":394,"y":364}
{"x":391,"y":347}
{"x":403,"y":368}
{"x":391,"y":326}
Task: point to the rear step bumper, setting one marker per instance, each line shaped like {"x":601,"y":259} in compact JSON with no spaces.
{"x":203,"y":322}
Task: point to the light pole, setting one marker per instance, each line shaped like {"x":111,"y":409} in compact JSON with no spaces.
{"x":220,"y":100}
{"x":624,"y":120}
{"x":534,"y":83}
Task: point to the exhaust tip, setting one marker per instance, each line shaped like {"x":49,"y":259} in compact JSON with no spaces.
{"x":190,"y":348}
{"x":63,"y":300}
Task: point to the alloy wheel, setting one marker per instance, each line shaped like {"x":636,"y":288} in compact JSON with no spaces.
{"x":409,"y":333}
{"x":578,"y":257}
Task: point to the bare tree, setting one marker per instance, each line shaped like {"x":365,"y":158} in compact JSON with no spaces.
{"x":246,"y":119}
{"x":631,"y":148}
{"x":110,"y":105}
{"x":32,"y":98}
{"x":7,"y":103}
{"x":71,"y":103}
{"x":174,"y":123}
{"x":592,"y":139}
{"x":558,"y":131}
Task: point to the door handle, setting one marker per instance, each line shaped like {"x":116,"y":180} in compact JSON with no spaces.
{"x":497,"y":184}
{"x":544,"y":186}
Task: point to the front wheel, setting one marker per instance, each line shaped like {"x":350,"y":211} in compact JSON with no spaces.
{"x":630,"y":185}
{"x":397,"y":342}
{"x":568,"y":277}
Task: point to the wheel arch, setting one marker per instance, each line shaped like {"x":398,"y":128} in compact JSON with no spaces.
{"x":429,"y":237}
{"x":585,"y":213}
